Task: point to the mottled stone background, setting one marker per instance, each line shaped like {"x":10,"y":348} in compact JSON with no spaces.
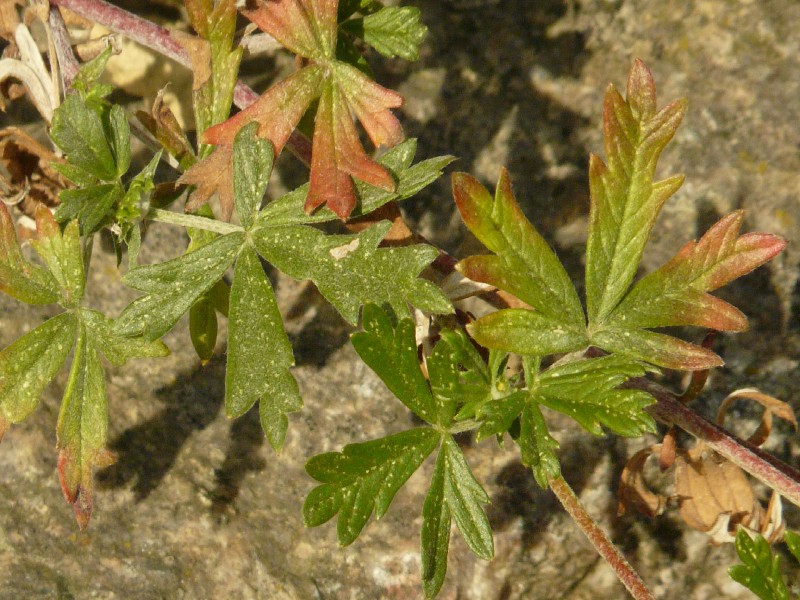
{"x":199,"y":507}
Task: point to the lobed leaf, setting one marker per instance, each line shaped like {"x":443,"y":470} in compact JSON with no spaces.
{"x":288,"y":209}
{"x":675,"y":294}
{"x":90,"y":205}
{"x":19,"y":278}
{"x":392,"y":31}
{"x":309,"y":28}
{"x":453,"y":492}
{"x":62,"y":254}
{"x":362,"y":478}
{"x":760,"y":570}
{"x":78,"y":131}
{"x":116,"y":348}
{"x":588,"y":391}
{"x":30,"y":363}
{"x":625,"y":200}
{"x":81,"y":429}
{"x":215,"y":81}
{"x":524,"y":264}
{"x":259,"y":353}
{"x":537,"y":446}
{"x":392,"y":353}
{"x":173,"y":286}
{"x":350,"y":270}
{"x":212,"y":175}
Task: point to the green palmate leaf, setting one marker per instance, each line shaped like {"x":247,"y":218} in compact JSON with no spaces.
{"x":362,"y":478}
{"x":62,"y":254}
{"x":78,"y":130}
{"x":288,"y":209}
{"x":252,"y":166}
{"x":760,"y":571}
{"x":588,"y":391}
{"x":309,"y":29}
{"x":526,"y":332}
{"x":524,"y":264}
{"x":259,"y":353}
{"x":172,"y":287}
{"x":30,"y":363}
{"x":350,"y":270}
{"x":116,"y":348}
{"x":392,"y":31}
{"x":91,"y":205}
{"x":453,"y":492}
{"x":497,"y":416}
{"x":19,"y":278}
{"x":392,"y":353}
{"x":81,"y":429}
{"x":676,"y":294}
{"x":625,"y":198}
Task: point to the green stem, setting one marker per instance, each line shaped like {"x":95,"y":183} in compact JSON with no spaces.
{"x":184,"y":220}
{"x":601,"y":542}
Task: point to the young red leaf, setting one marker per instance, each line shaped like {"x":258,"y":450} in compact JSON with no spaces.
{"x":675,"y":294}
{"x":309,"y":28}
{"x":625,"y":199}
{"x":656,"y":348}
{"x":212,"y":175}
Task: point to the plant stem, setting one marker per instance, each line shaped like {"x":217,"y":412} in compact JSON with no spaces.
{"x":163,"y":41}
{"x":184,"y":220}
{"x":601,"y":542}
{"x":668,"y":409}
{"x":67,"y":63}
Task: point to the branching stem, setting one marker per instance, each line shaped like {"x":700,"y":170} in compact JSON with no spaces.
{"x":601,"y":542}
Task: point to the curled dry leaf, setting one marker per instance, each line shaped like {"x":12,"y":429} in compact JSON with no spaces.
{"x":31,"y":71}
{"x":713,"y":495}
{"x":28,"y":178}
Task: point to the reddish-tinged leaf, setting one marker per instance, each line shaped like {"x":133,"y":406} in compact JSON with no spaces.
{"x":371,"y":103}
{"x":625,"y":199}
{"x":337,"y":154}
{"x":306,"y":27}
{"x":277,"y":111}
{"x":81,"y":429}
{"x":19,"y":278}
{"x":212,"y":175}
{"x":524,"y":264}
{"x":675,"y":293}
{"x":309,"y":28}
{"x":656,"y":348}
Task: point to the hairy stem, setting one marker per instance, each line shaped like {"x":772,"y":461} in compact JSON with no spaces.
{"x":67,"y":63}
{"x":165,"y":43}
{"x":184,"y":220}
{"x":601,"y":542}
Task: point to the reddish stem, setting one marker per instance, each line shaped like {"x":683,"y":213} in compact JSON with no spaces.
{"x":67,"y":63}
{"x":162,"y":40}
{"x":601,"y":542}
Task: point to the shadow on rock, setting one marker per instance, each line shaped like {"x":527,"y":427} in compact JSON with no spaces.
{"x":492,"y":110}
{"x":148,"y":451}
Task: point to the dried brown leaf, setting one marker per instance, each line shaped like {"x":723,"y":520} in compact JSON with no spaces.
{"x":634,"y":492}
{"x":708,"y":487}
{"x":212,"y":175}
{"x":772,"y":406}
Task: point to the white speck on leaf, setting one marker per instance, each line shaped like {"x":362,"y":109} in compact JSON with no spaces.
{"x":341,"y":252}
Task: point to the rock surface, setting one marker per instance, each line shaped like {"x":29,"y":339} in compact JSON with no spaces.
{"x":199,"y":507}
